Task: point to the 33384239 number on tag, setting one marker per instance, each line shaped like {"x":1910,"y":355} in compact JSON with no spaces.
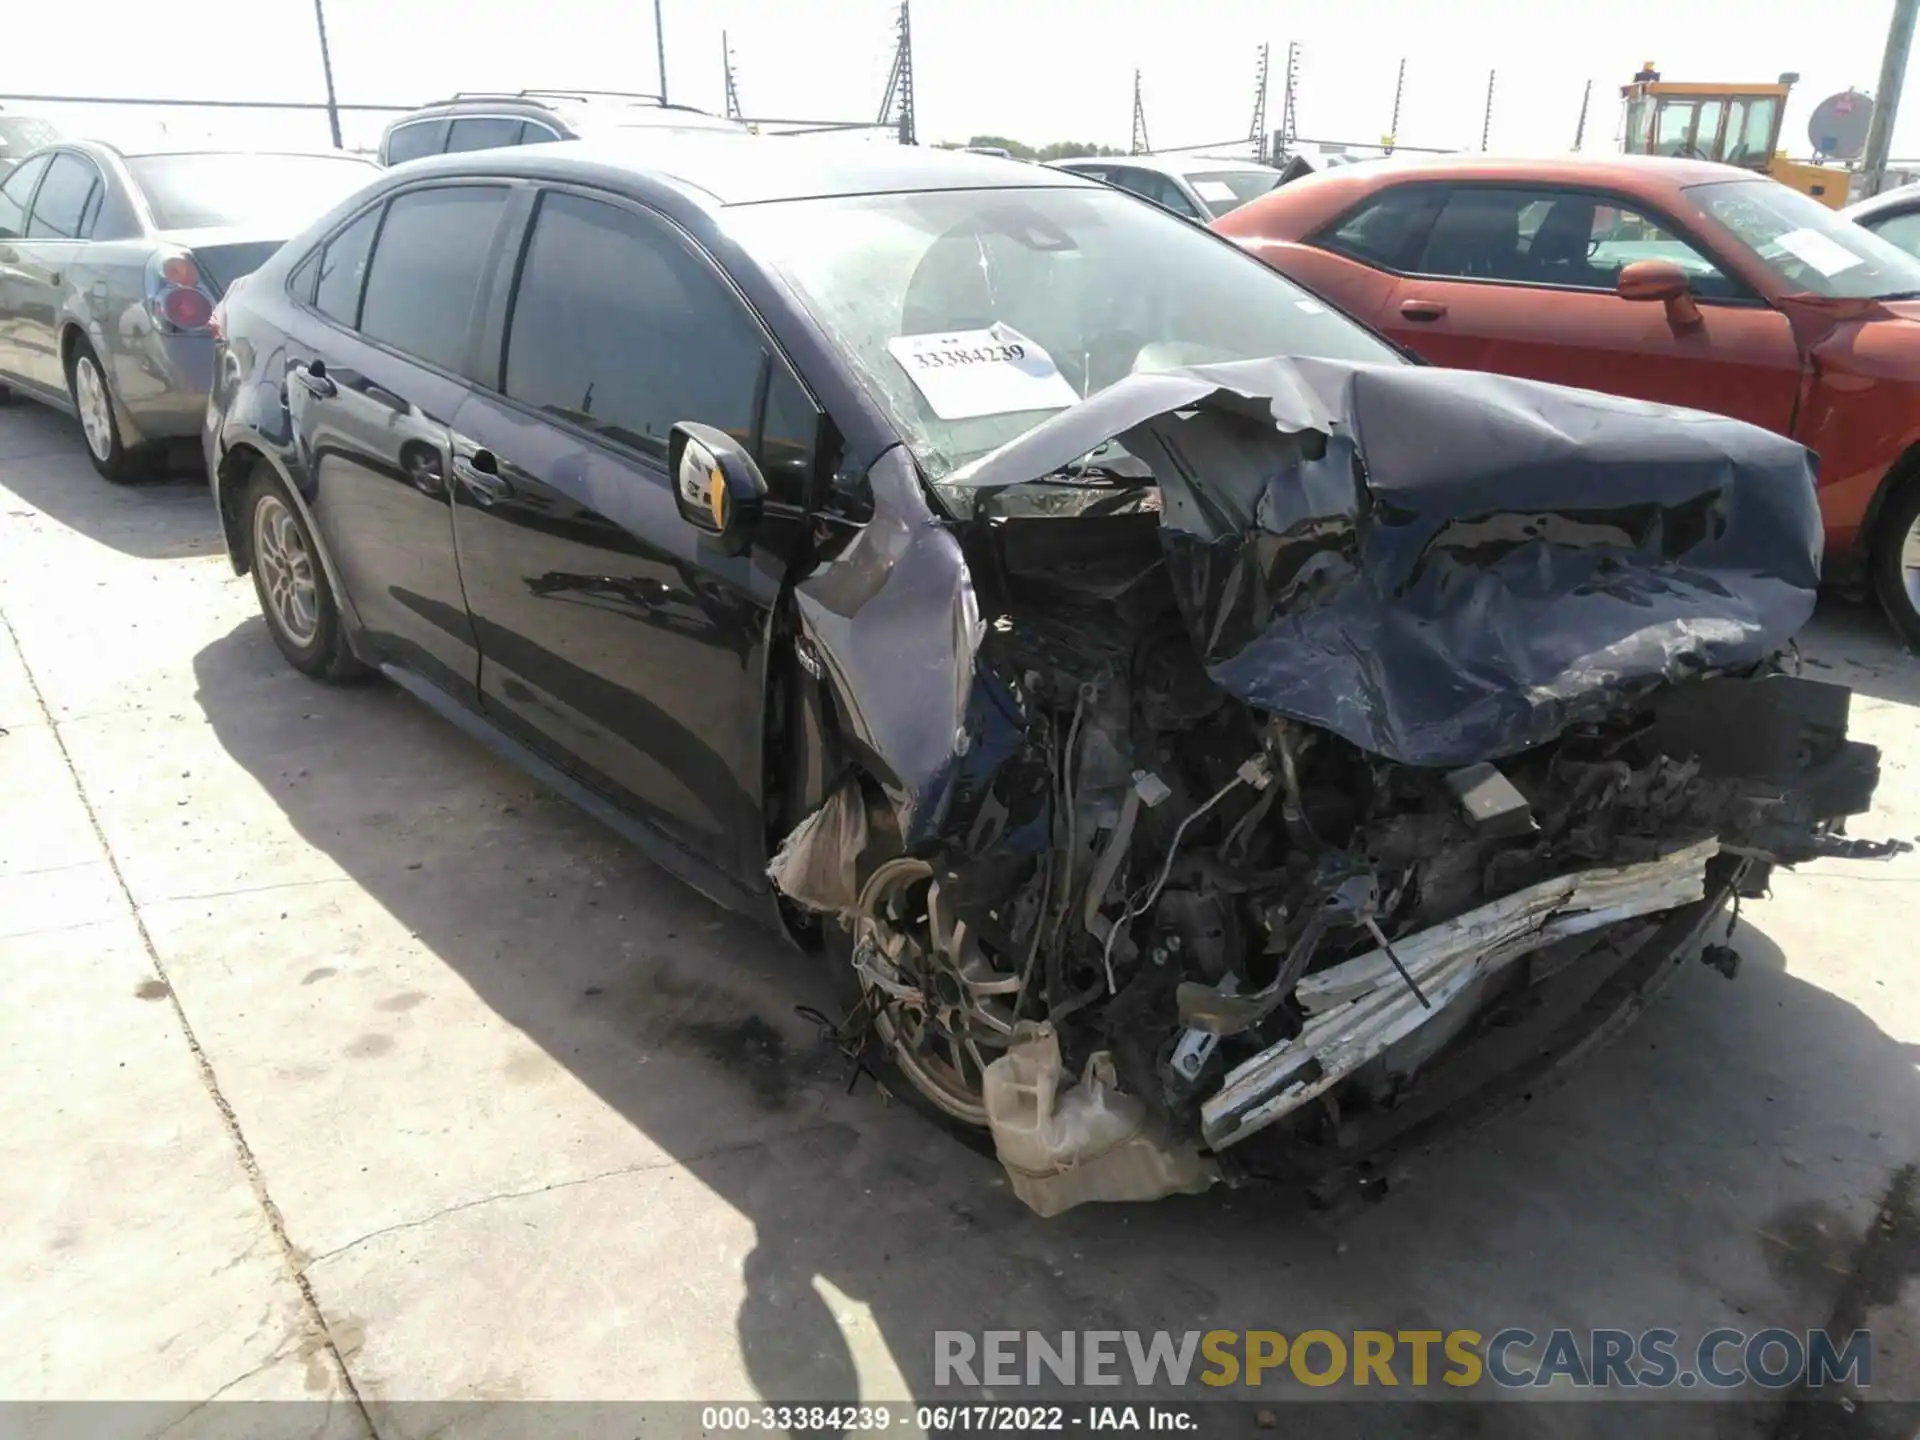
{"x":964,"y":374}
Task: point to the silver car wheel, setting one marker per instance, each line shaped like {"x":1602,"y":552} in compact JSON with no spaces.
{"x":96,"y":411}
{"x":286,"y":568}
{"x":1910,"y":564}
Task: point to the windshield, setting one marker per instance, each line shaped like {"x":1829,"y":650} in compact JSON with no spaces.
{"x":972,"y":315}
{"x":1807,"y":245}
{"x":1230,"y":189}
{"x":218,"y":191}
{"x":18,"y":135}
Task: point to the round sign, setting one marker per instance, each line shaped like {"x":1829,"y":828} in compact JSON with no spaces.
{"x":1839,"y":125}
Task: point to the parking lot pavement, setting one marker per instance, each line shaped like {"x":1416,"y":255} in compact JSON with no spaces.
{"x":341,"y":1061}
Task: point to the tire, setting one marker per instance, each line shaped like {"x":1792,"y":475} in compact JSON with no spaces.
{"x":292,"y":583}
{"x":99,"y":425}
{"x":1896,"y":564}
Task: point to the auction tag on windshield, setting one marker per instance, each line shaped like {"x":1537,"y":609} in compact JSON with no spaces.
{"x":1822,"y":252}
{"x":1213,"y":190}
{"x":968,"y":373}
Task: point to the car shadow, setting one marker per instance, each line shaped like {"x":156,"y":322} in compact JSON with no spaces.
{"x":1714,"y":1164}
{"x":43,"y":462}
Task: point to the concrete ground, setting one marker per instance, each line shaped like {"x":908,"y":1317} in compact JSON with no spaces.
{"x":341,"y":1063}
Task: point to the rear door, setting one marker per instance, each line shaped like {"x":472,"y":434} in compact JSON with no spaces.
{"x":611,"y":636}
{"x":16,"y":199}
{"x":374,"y":376}
{"x":64,"y":208}
{"x":1521,"y":280}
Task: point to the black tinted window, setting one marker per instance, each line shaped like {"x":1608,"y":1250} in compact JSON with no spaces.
{"x":1387,"y":230}
{"x":618,"y":328}
{"x":483,"y":134}
{"x":1555,"y":237}
{"x":62,"y":201}
{"x":426,"y":271}
{"x":15,"y":194}
{"x":342,"y":268}
{"x":410,"y":142}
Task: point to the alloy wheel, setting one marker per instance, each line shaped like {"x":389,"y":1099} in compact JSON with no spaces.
{"x":96,"y":411}
{"x":286,"y":568}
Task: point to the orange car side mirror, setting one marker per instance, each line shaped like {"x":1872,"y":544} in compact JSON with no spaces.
{"x":1659,"y":280}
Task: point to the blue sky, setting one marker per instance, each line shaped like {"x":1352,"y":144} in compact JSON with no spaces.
{"x":1036,"y":69}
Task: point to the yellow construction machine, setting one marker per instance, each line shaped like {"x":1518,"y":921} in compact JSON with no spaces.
{"x":1733,"y":124}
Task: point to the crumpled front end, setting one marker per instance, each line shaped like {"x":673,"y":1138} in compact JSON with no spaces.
{"x":1260,"y":739}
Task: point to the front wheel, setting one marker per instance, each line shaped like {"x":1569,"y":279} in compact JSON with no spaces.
{"x":1896,"y":564}
{"x":292,"y":584}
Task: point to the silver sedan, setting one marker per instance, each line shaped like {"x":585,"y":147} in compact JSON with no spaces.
{"x":111,"y":265}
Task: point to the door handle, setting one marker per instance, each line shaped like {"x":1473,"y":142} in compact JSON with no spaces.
{"x":479,"y":473}
{"x":313,"y":376}
{"x":1423,"y":309}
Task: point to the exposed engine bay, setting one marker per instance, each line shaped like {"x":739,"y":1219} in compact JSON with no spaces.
{"x":1167,"y":913}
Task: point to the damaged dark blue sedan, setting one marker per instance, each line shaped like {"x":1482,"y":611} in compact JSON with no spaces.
{"x":1209,"y":745}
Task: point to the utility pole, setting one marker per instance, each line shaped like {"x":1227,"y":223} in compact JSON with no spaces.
{"x":899,"y":93}
{"x":1399,"y":88}
{"x":1580,"y":130}
{"x":659,"y":45}
{"x":1139,"y":145}
{"x":1486,"y":120}
{"x":1257,"y":132}
{"x":326,"y":68}
{"x":733,"y":90}
{"x":1886,"y":96}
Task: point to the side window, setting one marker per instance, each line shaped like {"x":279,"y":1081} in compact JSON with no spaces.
{"x":482,"y":133}
{"x":1163,"y":191}
{"x":1387,"y":230}
{"x":1901,"y":229}
{"x":427,"y":267}
{"x":343,"y":268}
{"x":63,"y":199}
{"x":1508,"y":234}
{"x":1617,"y":236}
{"x":617,"y":327}
{"x":15,"y":194}
{"x":534,"y":133}
{"x":410,"y":142}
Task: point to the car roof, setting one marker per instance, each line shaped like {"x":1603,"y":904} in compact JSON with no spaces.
{"x":1631,"y":171}
{"x":1903,"y":197}
{"x":1172,"y":164}
{"x":567,"y":107}
{"x":754,"y":169}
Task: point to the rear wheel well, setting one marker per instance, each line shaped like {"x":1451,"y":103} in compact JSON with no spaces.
{"x":70,"y":335}
{"x":236,"y":469}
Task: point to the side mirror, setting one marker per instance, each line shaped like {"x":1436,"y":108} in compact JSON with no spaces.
{"x":718,"y":488}
{"x":1659,"y":280}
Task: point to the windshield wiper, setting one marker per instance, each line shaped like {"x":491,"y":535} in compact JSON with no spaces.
{"x":1899,"y":295}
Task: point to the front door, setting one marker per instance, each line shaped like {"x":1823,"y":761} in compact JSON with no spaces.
{"x":1521,"y":281}
{"x":612,"y":637}
{"x":373,"y":380}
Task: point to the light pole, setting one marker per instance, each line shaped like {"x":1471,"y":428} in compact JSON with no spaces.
{"x":659,"y":43}
{"x":1886,"y":98}
{"x":326,"y":68}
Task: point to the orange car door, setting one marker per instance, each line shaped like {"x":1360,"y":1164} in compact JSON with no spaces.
{"x":1522,"y":281}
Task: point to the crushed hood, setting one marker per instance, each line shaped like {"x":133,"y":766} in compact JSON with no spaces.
{"x":1441,"y":566}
